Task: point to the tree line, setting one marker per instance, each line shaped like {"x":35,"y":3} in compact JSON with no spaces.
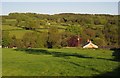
{"x":51,"y":39}
{"x":102,"y":29}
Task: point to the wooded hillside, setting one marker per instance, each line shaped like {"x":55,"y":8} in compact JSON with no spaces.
{"x":59,"y":30}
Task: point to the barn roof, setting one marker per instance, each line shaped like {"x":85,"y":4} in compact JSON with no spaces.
{"x":90,"y":45}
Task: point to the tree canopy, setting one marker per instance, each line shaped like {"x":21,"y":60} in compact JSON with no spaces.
{"x":102,"y":29}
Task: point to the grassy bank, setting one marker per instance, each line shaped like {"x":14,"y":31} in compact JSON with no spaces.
{"x":57,"y":62}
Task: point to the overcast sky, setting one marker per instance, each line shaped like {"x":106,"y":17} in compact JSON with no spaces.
{"x":60,"y":0}
{"x":61,"y":7}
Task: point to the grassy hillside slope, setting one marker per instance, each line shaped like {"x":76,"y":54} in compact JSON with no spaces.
{"x":57,"y":62}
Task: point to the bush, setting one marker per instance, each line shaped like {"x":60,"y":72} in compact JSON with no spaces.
{"x":100,"y":42}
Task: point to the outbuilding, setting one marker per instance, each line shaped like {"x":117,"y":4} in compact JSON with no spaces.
{"x":90,"y":45}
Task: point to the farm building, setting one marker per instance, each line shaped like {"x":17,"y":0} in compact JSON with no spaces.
{"x":90,"y":45}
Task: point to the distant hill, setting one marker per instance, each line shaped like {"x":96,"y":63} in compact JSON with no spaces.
{"x":102,"y":29}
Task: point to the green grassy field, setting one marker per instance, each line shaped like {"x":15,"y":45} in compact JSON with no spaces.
{"x":57,"y":62}
{"x":19,"y":32}
{"x":10,"y":28}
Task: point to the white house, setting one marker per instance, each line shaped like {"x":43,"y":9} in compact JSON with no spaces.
{"x":90,"y":45}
